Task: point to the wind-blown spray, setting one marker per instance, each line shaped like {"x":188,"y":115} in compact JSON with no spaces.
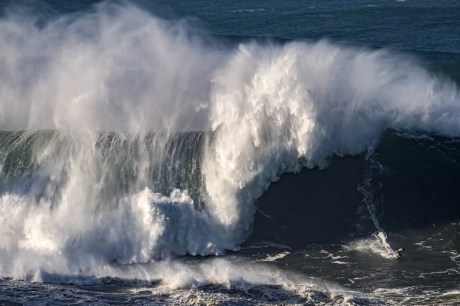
{"x":117,"y":85}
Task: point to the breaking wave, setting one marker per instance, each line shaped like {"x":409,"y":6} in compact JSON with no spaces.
{"x":99,"y":161}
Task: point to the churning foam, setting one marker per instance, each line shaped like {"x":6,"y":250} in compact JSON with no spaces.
{"x":64,"y":239}
{"x":271,"y":109}
{"x":377,"y":244}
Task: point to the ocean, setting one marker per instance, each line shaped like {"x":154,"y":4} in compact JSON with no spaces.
{"x":230,"y":152}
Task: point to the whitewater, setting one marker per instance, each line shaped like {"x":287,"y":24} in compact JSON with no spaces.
{"x":131,"y":144}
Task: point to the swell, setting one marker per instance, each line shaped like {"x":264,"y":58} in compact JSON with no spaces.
{"x":151,"y":189}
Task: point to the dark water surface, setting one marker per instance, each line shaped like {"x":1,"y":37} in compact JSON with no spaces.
{"x":323,"y":235}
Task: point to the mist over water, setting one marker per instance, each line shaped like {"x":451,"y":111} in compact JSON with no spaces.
{"x":116,"y":68}
{"x":132,"y":140}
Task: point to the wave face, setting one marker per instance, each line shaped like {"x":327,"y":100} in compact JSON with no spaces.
{"x":404,"y":186}
{"x":99,"y":162}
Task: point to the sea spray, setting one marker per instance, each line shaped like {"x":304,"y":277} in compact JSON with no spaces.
{"x":371,"y":202}
{"x":84,"y":199}
{"x":80,"y":202}
{"x":277,"y":109}
{"x":115,"y":68}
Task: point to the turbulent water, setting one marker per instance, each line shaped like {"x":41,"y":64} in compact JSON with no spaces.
{"x":244,"y":153}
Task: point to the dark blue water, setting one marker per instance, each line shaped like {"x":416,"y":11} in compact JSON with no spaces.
{"x":76,"y":228}
{"x":415,"y":26}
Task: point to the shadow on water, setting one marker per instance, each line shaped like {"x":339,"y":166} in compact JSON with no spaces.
{"x":416,"y":189}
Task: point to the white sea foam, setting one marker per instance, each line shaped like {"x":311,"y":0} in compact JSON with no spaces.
{"x":376,"y":245}
{"x":276,"y":256}
{"x":272,"y":109}
{"x":145,"y":226}
{"x":452,"y":293}
{"x":177,"y":279}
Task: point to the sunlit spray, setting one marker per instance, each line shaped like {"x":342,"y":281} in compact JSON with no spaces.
{"x":109,"y":181}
